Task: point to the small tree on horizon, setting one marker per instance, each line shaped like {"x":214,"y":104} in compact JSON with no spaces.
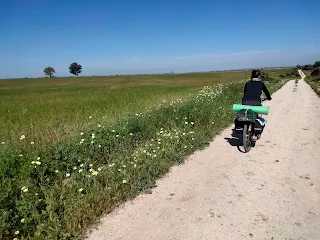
{"x":49,"y":71}
{"x":75,"y":68}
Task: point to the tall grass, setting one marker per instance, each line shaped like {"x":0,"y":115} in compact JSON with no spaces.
{"x":57,"y":192}
{"x":314,"y":82}
{"x":46,"y":111}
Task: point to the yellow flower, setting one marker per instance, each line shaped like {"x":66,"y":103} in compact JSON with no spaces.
{"x":95,"y":173}
{"x":90,"y":165}
{"x":80,"y":190}
{"x":81,"y":165}
{"x":16,"y":232}
{"x":20,"y":155}
{"x":56,"y":171}
{"x":74,"y":168}
{"x":32,"y":143}
{"x":80,"y":170}
{"x":99,"y":169}
{"x":38,"y":158}
{"x":81,"y":133}
{"x":38,"y":162}
{"x":24,"y":189}
{"x":124,"y":181}
{"x":22,"y":220}
{"x":68,"y":175}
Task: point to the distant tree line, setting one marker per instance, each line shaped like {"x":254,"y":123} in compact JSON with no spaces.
{"x":311,"y":67}
{"x":315,"y":70}
{"x":74,"y":69}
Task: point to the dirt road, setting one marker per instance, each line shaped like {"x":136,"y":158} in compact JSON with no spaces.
{"x":272,"y":192}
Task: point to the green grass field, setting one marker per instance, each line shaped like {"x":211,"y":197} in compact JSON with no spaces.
{"x":58,"y":186}
{"x":47,"y":110}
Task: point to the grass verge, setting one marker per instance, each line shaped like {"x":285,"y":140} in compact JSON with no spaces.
{"x":57,"y":192}
{"x":46,"y":111}
{"x":314,"y":83}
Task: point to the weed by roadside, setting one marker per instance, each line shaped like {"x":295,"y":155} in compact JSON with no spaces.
{"x":56,"y":193}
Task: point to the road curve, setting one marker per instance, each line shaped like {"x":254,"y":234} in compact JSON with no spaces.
{"x":272,"y":192}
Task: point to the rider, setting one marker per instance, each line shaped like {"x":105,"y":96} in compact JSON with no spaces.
{"x":252,"y":93}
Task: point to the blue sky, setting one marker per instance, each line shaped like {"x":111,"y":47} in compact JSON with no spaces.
{"x":146,"y":36}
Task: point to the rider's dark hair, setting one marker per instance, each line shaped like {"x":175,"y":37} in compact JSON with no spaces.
{"x":255,"y":73}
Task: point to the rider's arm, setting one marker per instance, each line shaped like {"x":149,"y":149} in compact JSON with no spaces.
{"x":266,"y":92}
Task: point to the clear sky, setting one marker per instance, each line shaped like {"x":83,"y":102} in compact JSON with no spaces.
{"x":146,"y":36}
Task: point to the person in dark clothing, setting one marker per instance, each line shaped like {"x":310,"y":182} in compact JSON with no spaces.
{"x":253,"y":90}
{"x":252,"y":93}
